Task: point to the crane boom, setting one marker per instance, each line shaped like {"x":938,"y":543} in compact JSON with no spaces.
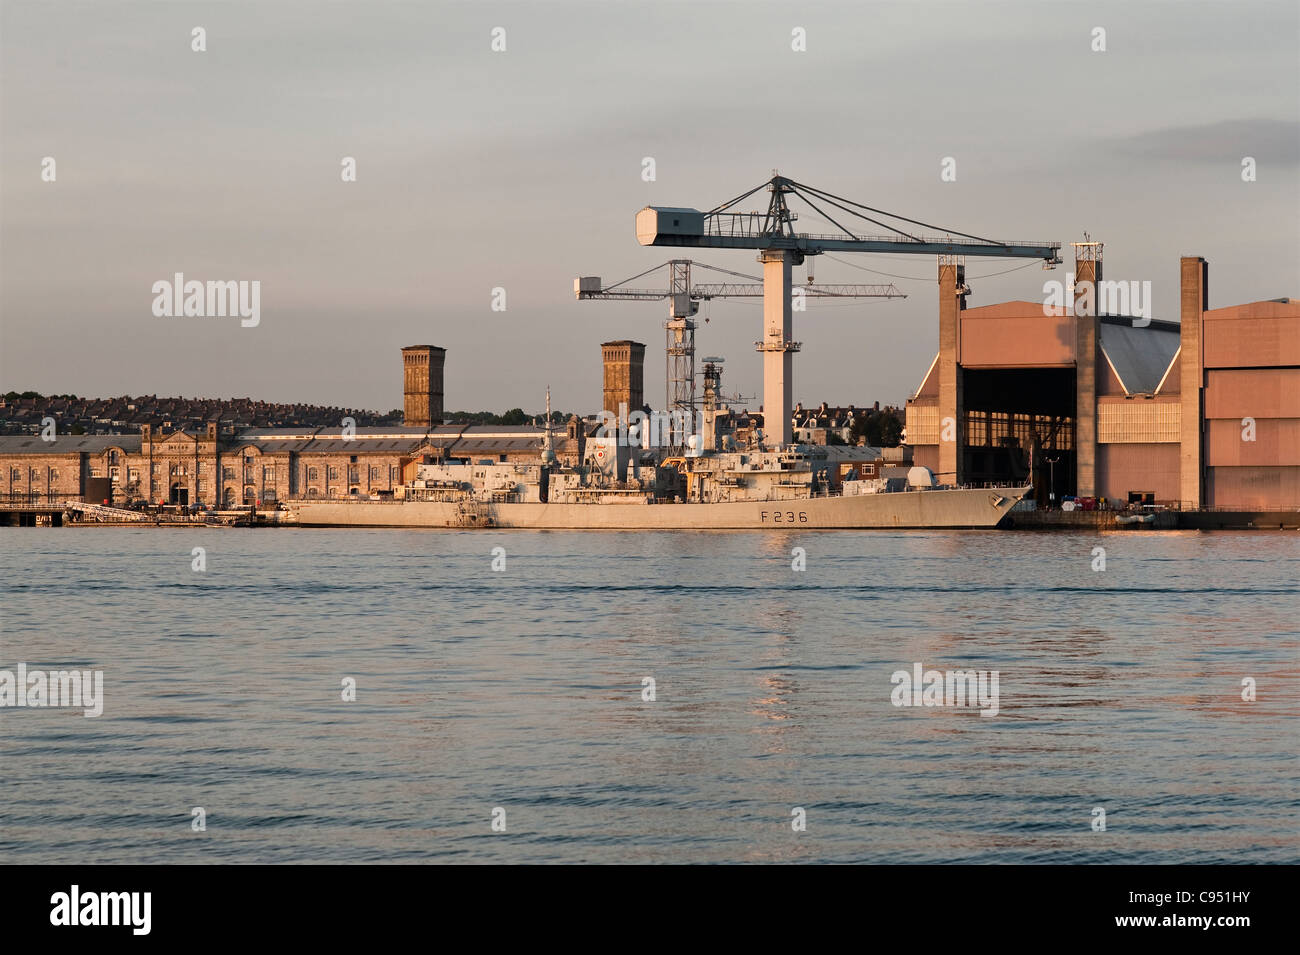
{"x":708,"y":290}
{"x":807,"y":244}
{"x":705,"y":291}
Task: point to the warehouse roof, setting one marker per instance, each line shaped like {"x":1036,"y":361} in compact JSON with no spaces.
{"x":495,"y":444}
{"x":1139,"y":354}
{"x":457,"y":439}
{"x":68,"y":443}
{"x":288,"y":434}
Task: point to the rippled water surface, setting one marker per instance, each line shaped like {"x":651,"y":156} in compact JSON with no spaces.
{"x":522,"y":689}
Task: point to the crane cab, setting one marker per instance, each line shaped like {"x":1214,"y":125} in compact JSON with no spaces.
{"x":655,"y":223}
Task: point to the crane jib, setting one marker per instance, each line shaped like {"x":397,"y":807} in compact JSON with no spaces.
{"x":809,"y":245}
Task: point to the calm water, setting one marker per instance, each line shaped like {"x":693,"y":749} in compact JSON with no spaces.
{"x":522,"y":690}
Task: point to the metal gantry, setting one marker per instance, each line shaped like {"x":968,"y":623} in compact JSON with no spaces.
{"x":772,"y":234}
{"x":684,"y":299}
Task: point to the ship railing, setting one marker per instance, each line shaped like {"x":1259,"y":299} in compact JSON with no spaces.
{"x":40,"y":500}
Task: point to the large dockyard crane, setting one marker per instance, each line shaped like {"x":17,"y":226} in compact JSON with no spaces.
{"x":684,"y":299}
{"x":779,"y":247}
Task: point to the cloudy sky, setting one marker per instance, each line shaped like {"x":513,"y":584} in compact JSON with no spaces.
{"x":522,"y":169}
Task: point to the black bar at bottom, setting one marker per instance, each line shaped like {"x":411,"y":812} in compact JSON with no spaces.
{"x":951,"y":904}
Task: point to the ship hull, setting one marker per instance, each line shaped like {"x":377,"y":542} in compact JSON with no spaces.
{"x":948,"y":508}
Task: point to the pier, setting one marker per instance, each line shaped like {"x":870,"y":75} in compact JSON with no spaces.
{"x":77,"y":513}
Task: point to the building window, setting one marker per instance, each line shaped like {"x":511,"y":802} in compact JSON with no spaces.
{"x":312,"y":474}
{"x":112,"y":457}
{"x":374,"y":474}
{"x":392,"y":474}
{"x":115,"y":474}
{"x":15,"y":474}
{"x":334,"y":492}
{"x":228,"y":473}
{"x":54,"y":474}
{"x":334,"y":474}
{"x":156,"y":470}
{"x":313,"y":492}
{"x":999,"y":428}
{"x":268,"y":496}
{"x":268,"y":472}
{"x":353,"y":476}
{"x":203,"y":486}
{"x":36,"y":475}
{"x":203,"y":467}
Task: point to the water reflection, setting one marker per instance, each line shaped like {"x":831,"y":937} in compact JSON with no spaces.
{"x":772,"y":691}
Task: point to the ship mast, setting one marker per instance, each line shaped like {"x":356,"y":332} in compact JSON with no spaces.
{"x":547,"y":444}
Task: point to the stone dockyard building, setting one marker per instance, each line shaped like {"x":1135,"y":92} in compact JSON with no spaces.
{"x":265,"y":466}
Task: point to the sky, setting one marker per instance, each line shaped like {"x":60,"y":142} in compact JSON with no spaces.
{"x":519,"y":169}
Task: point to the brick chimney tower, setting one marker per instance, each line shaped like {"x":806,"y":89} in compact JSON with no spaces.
{"x":624,"y":375}
{"x":422,"y":385}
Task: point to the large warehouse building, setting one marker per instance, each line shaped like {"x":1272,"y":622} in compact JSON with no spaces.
{"x":1204,"y":412}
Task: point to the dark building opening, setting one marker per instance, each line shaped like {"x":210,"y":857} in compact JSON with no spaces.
{"x":1020,"y":428}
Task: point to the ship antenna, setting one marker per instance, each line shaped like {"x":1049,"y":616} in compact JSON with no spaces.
{"x":547,"y":445}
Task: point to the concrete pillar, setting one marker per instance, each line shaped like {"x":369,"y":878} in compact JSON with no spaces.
{"x":952,"y":406}
{"x":1195,"y":299}
{"x":777,"y":347}
{"x":1087,"y":276}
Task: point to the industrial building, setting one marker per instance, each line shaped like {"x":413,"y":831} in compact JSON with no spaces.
{"x":1199,"y":413}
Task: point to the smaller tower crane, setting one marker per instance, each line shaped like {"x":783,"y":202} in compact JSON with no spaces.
{"x":683,"y":304}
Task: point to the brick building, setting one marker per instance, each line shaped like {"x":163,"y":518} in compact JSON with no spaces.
{"x":264,"y":466}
